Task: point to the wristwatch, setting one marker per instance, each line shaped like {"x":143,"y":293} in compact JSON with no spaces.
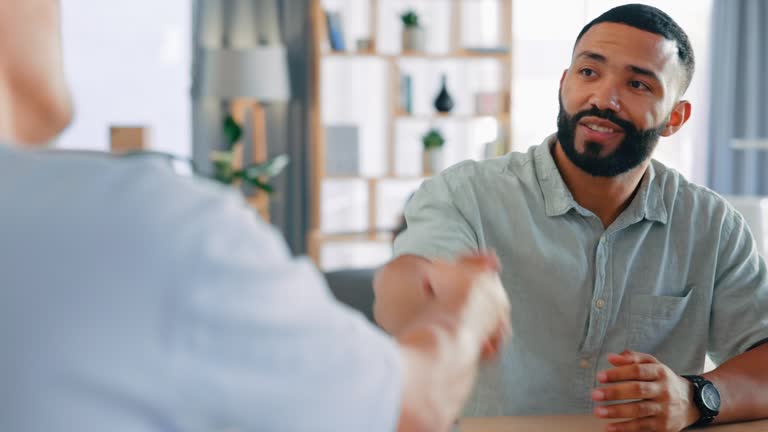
{"x":706,"y":397}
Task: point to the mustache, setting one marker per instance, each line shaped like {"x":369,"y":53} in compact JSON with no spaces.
{"x":609,"y":115}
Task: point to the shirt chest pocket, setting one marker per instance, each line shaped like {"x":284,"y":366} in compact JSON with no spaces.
{"x":653,"y":319}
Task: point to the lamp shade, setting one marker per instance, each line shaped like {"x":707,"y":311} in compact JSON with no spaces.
{"x":259,"y":73}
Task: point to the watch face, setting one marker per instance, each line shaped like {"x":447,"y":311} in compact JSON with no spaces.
{"x":711,"y":397}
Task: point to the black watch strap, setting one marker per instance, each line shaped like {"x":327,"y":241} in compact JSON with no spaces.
{"x":703,"y":421}
{"x":707,"y":415}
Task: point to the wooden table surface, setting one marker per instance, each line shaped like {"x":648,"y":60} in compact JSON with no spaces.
{"x":584,"y":423}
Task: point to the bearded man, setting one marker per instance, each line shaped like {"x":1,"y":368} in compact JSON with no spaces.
{"x":622,"y":275}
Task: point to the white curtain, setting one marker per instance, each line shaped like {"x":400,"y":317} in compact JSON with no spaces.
{"x":739,"y":93}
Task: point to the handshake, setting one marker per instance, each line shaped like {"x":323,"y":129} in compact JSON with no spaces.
{"x":446,"y":317}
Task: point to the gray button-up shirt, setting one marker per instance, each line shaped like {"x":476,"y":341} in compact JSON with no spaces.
{"x":677,"y":275}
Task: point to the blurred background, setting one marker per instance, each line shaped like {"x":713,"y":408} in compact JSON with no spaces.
{"x":328,"y":114}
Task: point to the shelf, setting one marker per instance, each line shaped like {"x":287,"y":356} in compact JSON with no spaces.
{"x":375,"y":179}
{"x":375,"y":236}
{"x":416,"y":55}
{"x":437,"y":116}
{"x":380,"y":187}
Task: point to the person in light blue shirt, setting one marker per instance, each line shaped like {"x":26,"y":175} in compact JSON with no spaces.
{"x":134,"y":299}
{"x":622,"y":275}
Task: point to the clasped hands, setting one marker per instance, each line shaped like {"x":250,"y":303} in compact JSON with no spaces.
{"x":655,"y":398}
{"x":640,"y":392}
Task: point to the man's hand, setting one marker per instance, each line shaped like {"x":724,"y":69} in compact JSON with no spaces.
{"x":663,"y":400}
{"x":474,"y":278}
{"x":409,"y":285}
{"x":465,"y":266}
{"x":465,"y":319}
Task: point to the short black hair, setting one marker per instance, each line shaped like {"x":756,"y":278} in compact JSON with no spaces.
{"x":653,"y":20}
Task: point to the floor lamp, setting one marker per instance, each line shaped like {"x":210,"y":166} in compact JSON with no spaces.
{"x":260,"y":76}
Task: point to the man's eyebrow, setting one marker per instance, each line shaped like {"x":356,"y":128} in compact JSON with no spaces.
{"x":642,"y":71}
{"x":632,"y":68}
{"x":592,"y":55}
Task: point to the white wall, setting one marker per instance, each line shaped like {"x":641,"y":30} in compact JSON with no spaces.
{"x":128,"y":63}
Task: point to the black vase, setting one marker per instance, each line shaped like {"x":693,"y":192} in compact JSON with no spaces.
{"x":444,"y":101}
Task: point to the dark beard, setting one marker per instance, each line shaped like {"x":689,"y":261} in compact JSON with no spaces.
{"x":636,"y":147}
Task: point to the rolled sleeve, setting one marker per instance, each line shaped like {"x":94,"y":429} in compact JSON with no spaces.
{"x":436,"y":228}
{"x":739,"y":317}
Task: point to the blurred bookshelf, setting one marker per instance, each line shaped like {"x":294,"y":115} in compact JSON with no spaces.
{"x":374,"y":98}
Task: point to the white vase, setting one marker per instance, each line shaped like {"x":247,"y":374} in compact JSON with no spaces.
{"x":433,"y":161}
{"x":414,"y":39}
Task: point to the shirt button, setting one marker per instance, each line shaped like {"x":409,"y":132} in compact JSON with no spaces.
{"x":584,"y":363}
{"x":600,"y":303}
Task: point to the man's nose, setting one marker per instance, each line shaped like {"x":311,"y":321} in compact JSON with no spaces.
{"x":606,"y":97}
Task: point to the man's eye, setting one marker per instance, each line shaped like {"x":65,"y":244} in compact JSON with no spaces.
{"x":638,"y":85}
{"x":587,"y":72}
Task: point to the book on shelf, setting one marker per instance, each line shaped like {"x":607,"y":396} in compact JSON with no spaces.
{"x":335,"y":30}
{"x":490,"y":102}
{"x":342,"y":154}
{"x":406,"y":94}
{"x":487,"y":50}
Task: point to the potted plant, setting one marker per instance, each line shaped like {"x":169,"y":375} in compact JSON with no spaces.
{"x":413,"y":33}
{"x":229,"y":167}
{"x":432,"y":161}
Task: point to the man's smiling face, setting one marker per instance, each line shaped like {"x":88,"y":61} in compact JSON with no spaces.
{"x":617,"y":97}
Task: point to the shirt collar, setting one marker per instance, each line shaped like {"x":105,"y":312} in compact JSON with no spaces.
{"x":651,"y":194}
{"x":558,"y":200}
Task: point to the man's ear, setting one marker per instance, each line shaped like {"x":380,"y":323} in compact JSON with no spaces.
{"x":679,"y":116}
{"x":562,"y":78}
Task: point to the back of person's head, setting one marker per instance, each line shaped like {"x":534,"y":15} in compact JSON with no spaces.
{"x":35,"y":104}
{"x":652,"y":20}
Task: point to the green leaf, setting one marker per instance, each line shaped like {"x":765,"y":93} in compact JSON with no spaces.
{"x":433,"y":139}
{"x":256,"y":182}
{"x":268,"y":169}
{"x":221,"y":157}
{"x":222,"y":171}
{"x":266,"y":187}
{"x":232,"y":131}
{"x":410,"y":19}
